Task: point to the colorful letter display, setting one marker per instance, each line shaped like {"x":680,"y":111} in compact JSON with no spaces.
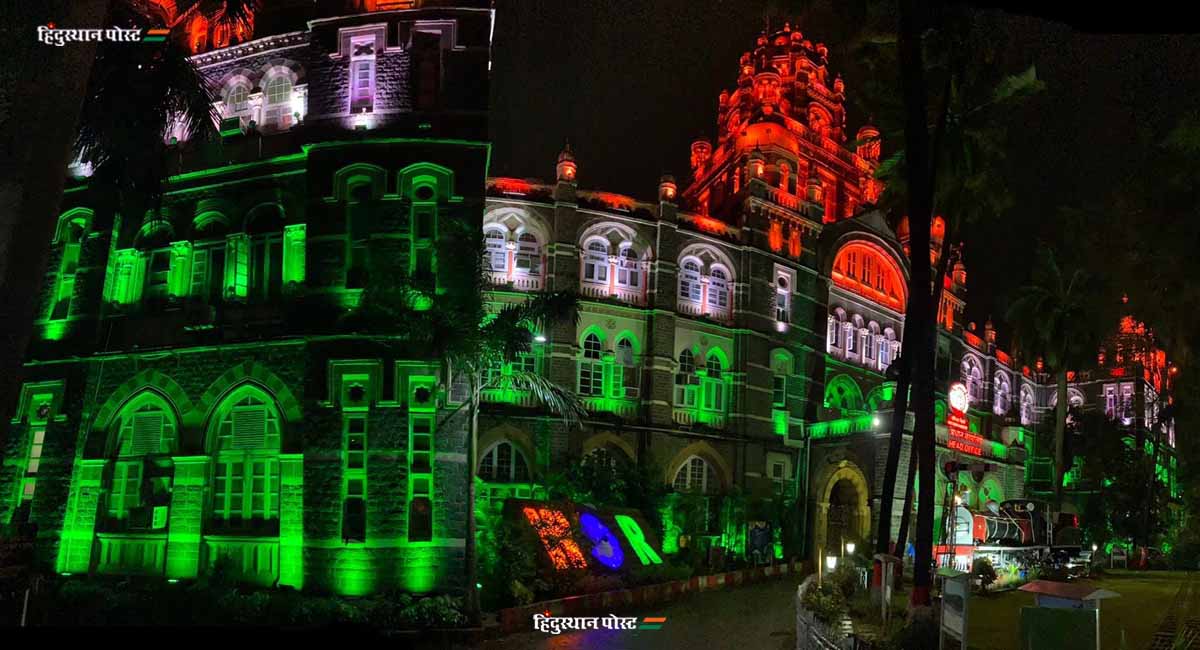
{"x":959,"y":428}
{"x":555,"y":532}
{"x":608,"y":535}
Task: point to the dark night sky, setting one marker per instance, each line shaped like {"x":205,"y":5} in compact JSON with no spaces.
{"x":631,"y":83}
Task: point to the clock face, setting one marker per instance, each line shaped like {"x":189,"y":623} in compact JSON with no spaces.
{"x":958,"y":398}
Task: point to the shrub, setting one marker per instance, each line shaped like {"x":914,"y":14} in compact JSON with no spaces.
{"x":827,"y":607}
{"x":845,"y":579}
{"x":983,"y":571}
{"x":434,"y":612}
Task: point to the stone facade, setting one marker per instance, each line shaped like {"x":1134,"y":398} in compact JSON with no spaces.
{"x":200,"y":391}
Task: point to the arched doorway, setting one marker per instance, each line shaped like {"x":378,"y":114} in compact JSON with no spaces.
{"x":842,"y":523}
{"x":842,"y":512}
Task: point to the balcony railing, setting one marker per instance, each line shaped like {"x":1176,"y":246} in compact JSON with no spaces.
{"x":519,"y":282}
{"x":784,"y":199}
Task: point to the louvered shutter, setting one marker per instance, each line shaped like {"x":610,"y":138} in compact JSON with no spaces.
{"x":249,"y":428}
{"x":147,"y":433}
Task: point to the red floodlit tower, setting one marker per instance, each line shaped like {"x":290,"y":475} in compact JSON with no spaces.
{"x":783,"y":129}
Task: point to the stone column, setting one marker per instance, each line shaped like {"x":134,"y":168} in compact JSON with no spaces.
{"x":75,"y":552}
{"x":291,"y":520}
{"x":185,"y":525}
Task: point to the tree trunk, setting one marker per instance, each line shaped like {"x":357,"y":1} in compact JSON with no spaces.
{"x":899,"y":412}
{"x":1060,"y":426}
{"x":920,"y":209}
{"x":906,"y":516}
{"x":38,"y":129}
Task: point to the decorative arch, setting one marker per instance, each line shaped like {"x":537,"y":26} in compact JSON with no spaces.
{"x":715,"y":351}
{"x":154,"y":230}
{"x":518,"y":437}
{"x":627,"y":335}
{"x":412,"y":178}
{"x":1028,"y":402}
{"x":149,"y":379}
{"x":783,"y":361}
{"x":268,"y":216}
{"x":1001,"y":393}
{"x":972,"y":376}
{"x":828,"y":478}
{"x":709,"y":257}
{"x":515,"y":222}
{"x":617,"y":236}
{"x":606,"y":439}
{"x":593,"y":329}
{"x":75,"y":220}
{"x":869,"y":270}
{"x":709,"y":454}
{"x":352,"y":175}
{"x":843,"y":394}
{"x":255,"y":373}
{"x":146,"y":397}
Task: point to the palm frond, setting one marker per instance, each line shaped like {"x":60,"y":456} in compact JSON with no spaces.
{"x":558,"y":399}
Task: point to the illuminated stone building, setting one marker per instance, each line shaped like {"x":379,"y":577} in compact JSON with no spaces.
{"x":736,"y":333}
{"x":193,"y":391}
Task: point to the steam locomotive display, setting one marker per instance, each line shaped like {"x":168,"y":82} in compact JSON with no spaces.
{"x":1018,"y":530}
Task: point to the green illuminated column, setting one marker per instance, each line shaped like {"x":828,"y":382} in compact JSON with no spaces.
{"x":612,"y":385}
{"x":179,"y":277}
{"x":291,"y":520}
{"x":186,"y":523}
{"x":237,"y":266}
{"x":75,"y":551}
{"x":294,"y":241}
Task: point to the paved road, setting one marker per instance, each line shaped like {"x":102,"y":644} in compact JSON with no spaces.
{"x":755,"y":617}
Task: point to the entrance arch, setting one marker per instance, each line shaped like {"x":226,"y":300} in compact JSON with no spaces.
{"x":842,"y":513}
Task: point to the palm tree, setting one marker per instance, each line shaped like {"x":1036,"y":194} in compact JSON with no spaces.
{"x":497,"y":341}
{"x":123,"y":100}
{"x":1053,"y":318}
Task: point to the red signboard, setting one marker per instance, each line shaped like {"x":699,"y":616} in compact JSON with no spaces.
{"x":961,"y":438}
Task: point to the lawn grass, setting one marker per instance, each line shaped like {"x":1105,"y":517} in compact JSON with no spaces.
{"x":1145,"y":598}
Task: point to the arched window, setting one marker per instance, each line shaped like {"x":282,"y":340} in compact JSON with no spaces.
{"x":870,"y":335}
{"x":627,"y":367}
{"x":146,"y":428}
{"x":851,"y":336}
{"x":504,"y":463}
{"x":608,"y":457}
{"x":1001,"y":394}
{"x":714,"y":383}
{"x":781,"y":367}
{"x":529,"y":255}
{"x":783,"y":305}
{"x":831,"y":340}
{"x":497,"y":253}
{"x":277,"y":101}
{"x":885,"y":349}
{"x":868,"y":270}
{"x":718,"y":289}
{"x":71,"y":230}
{"x":244,"y":437}
{"x":595,"y":262}
{"x":695,"y":475}
{"x":689,"y":281}
{"x":237,"y":99}
{"x":972,"y":376}
{"x":1027,"y":415}
{"x":591,"y":369}
{"x":843,"y":395}
{"x":686,"y":380}
{"x":629,"y":270}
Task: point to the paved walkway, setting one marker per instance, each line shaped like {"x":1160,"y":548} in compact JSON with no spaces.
{"x":754,"y":617}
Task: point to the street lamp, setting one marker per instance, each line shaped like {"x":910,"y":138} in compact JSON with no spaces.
{"x":831,"y":562}
{"x":850,"y":548}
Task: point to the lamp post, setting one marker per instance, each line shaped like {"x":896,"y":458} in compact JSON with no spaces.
{"x":850,"y":548}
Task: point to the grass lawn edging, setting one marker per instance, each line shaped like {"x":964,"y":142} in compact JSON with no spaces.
{"x":517,"y":619}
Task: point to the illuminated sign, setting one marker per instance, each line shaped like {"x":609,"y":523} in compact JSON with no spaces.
{"x":606,"y":539}
{"x":961,"y":438}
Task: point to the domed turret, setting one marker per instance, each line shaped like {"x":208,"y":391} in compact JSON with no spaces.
{"x":566,"y":167}
{"x":666,"y":188}
{"x":701,"y":152}
{"x":868,"y":142}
